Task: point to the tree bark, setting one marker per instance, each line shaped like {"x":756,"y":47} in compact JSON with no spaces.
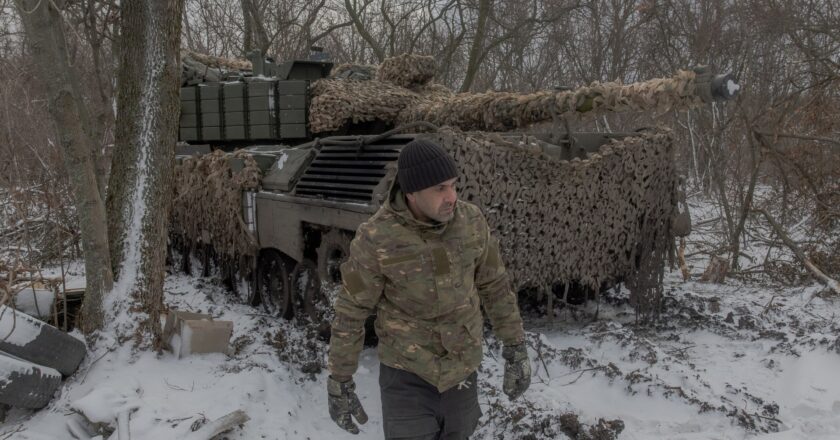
{"x":44,"y":31}
{"x":141,"y":176}
{"x":476,"y":48}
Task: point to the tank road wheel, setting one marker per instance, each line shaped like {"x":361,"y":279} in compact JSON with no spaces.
{"x":334,"y":250}
{"x":273,"y":284}
{"x":306,"y":285}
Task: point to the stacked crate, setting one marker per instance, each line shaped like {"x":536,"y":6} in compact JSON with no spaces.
{"x":256,"y":109}
{"x":249,"y":110}
{"x":292,"y":103}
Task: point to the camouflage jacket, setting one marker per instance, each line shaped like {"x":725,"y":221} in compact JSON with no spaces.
{"x":426,"y":283}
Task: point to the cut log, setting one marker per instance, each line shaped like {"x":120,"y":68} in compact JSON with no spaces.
{"x":219,"y":426}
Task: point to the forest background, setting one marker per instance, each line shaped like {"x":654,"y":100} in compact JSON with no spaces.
{"x":774,"y":151}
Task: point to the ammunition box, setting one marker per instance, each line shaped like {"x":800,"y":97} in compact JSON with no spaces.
{"x":235,"y":132}
{"x":208,"y":91}
{"x":288,"y":102}
{"x":209,"y":106}
{"x":263,"y":117}
{"x":234,"y":90}
{"x":211,"y":133}
{"x":255,"y":103}
{"x":187,"y":94}
{"x":189,"y":120}
{"x":188,"y":134}
{"x":260,"y":88}
{"x":262,"y":132}
{"x":292,"y":131}
{"x":297,"y":116}
{"x":234,"y":105}
{"x":210,"y":120}
{"x":292,"y":87}
{"x":189,"y":107}
{"x":234,"y":118}
{"x":260,"y":117}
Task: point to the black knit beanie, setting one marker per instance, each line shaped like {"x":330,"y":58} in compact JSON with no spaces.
{"x":423,"y":164}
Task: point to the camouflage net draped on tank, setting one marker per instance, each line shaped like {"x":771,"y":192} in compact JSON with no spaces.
{"x":207,"y":204}
{"x":337,"y":102}
{"x":593,"y":221}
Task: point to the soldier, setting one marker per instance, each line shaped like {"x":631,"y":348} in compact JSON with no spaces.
{"x":424,"y":263}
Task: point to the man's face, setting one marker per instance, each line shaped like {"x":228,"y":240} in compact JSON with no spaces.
{"x":434,"y":203}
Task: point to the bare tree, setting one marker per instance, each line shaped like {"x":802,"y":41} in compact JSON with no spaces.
{"x":45,"y":35}
{"x":141,"y":177}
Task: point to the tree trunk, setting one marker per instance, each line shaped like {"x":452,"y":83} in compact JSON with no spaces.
{"x":43,"y":27}
{"x":141,"y":177}
{"x":476,"y":48}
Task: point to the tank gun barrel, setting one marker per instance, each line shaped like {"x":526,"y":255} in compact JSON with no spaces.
{"x":500,"y":111}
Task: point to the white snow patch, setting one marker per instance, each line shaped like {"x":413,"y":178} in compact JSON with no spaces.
{"x":35,"y":302}
{"x":732,"y":87}
{"x":10,"y":366}
{"x":17,"y":328}
{"x":281,"y":161}
{"x":104,"y":404}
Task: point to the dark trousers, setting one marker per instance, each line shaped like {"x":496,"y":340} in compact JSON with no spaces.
{"x":414,"y":409}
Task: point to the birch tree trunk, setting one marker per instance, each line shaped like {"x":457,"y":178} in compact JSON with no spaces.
{"x":140,"y":187}
{"x":43,"y":27}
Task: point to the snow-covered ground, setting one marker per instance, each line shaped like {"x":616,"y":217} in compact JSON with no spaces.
{"x":725,"y":361}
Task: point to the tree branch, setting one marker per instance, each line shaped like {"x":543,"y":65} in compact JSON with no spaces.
{"x":815,"y":271}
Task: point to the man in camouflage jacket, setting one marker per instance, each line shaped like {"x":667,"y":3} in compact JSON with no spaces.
{"x":425,"y":264}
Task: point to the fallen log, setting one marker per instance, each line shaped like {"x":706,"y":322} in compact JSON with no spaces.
{"x":814,"y":270}
{"x":219,"y":426}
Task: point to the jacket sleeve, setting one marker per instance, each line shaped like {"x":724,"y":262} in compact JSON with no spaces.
{"x":494,"y":289}
{"x":361,"y":289}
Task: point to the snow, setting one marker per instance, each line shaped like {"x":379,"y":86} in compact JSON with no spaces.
{"x":11,"y":365}
{"x":17,"y":328}
{"x":732,"y":87}
{"x":736,"y":360}
{"x":35,"y":302}
{"x":281,"y":161}
{"x":104,"y":404}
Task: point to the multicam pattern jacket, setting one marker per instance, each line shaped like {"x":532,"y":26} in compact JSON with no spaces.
{"x":426,"y":283}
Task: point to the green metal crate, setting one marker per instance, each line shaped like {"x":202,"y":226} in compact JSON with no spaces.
{"x":292,"y":131}
{"x":297,"y":116}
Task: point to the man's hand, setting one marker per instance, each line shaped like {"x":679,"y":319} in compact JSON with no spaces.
{"x":344,"y":403}
{"x":517,"y":370}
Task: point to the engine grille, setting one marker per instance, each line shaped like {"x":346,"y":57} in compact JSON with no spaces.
{"x":346,"y":172}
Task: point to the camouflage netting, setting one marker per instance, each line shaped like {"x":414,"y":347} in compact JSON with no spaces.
{"x":354,"y":71}
{"x":408,"y":70}
{"x":404,"y":98}
{"x":331,"y":107}
{"x":207,"y":204}
{"x":603,"y":219}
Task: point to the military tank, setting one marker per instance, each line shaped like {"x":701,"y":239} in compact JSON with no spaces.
{"x":279,"y":163}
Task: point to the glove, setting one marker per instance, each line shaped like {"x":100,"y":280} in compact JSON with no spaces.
{"x":344,"y":403}
{"x":517,"y":370}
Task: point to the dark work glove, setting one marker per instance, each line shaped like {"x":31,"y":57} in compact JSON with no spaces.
{"x":344,"y":403}
{"x":517,"y":370}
